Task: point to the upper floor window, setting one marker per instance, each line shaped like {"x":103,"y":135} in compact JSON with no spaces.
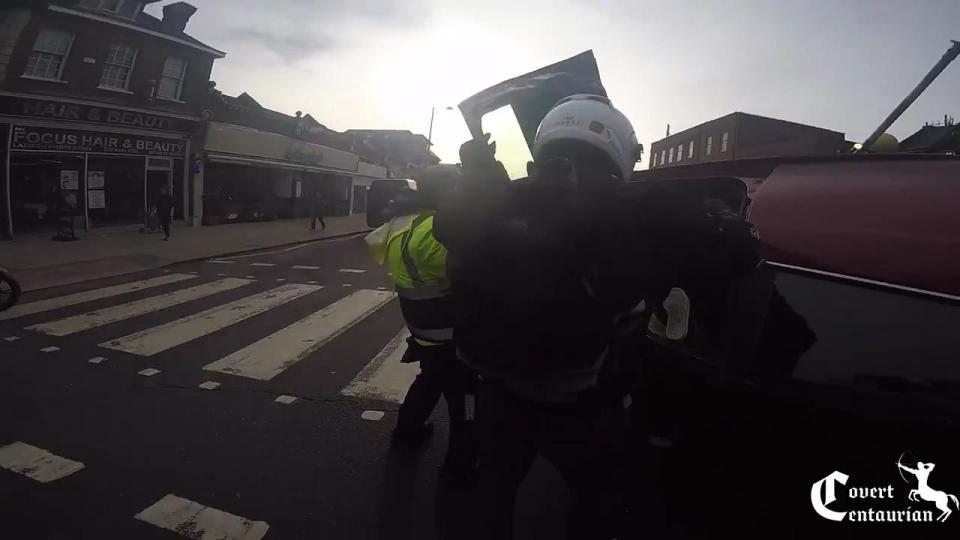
{"x":653,"y":160}
{"x":171,"y":81}
{"x":709,"y":145}
{"x":679,"y":151}
{"x":663,"y":157}
{"x":117,"y":67}
{"x":125,"y":8}
{"x":723,"y":142}
{"x":49,"y":54}
{"x":670,"y":156}
{"x":690,"y":150}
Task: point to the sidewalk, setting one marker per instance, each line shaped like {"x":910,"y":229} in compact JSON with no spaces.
{"x":39,"y":262}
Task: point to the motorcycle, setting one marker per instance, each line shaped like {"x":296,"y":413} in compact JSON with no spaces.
{"x":9,"y":290}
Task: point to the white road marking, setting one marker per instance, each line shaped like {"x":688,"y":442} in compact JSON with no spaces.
{"x":50,"y":349}
{"x":381,"y":288}
{"x":166,"y":336}
{"x":304,"y":267}
{"x":88,"y":296}
{"x":249,"y":277}
{"x":220,"y":275}
{"x":262,"y":264}
{"x":129,"y":310}
{"x":36,"y":463}
{"x":221,"y":262}
{"x":149,"y":372}
{"x":11,"y":338}
{"x":209,"y":385}
{"x":352,"y":270}
{"x":348,"y":284}
{"x":273,"y":354}
{"x":285,"y":399}
{"x":373,"y":416}
{"x":385,"y":378}
{"x":312,"y":282}
{"x":280,"y":279}
{"x":194,"y":520}
{"x":97,"y":360}
{"x":298,"y":246}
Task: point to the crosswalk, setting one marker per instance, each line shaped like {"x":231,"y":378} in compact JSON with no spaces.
{"x":259,"y":357}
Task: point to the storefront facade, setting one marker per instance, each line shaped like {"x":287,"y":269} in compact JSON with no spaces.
{"x":102,"y":166}
{"x":248,"y":174}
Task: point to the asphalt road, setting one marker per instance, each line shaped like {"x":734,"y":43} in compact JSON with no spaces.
{"x":184,"y":459}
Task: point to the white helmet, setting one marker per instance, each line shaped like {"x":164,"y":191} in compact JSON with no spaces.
{"x":593,"y":120}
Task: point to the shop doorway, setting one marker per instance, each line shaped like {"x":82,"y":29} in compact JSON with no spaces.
{"x":42,"y":187}
{"x":115,"y":188}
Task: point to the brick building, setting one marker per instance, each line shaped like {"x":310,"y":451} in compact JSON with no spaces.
{"x":743,"y":136}
{"x":100,"y":104}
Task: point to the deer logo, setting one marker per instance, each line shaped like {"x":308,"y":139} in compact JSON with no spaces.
{"x":927,"y":493}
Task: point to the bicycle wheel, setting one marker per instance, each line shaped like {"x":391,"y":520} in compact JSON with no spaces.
{"x":9,"y":291}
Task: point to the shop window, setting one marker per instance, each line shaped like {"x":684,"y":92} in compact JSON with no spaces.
{"x":49,"y":54}
{"x":723,"y":142}
{"x":120,"y":182}
{"x":117,"y":68}
{"x":359,"y":200}
{"x":43,"y":187}
{"x":171,"y":81}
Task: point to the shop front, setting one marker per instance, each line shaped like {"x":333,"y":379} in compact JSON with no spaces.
{"x":95,"y":176}
{"x":249,"y":175}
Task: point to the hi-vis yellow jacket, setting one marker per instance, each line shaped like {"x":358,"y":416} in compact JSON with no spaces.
{"x":418,"y":262}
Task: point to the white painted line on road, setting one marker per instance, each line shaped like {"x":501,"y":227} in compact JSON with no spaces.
{"x":97,"y":360}
{"x":36,"y":463}
{"x":220,"y":275}
{"x":273,"y":354}
{"x":193,"y":273}
{"x":285,"y":399}
{"x":194,"y":520}
{"x":166,"y":336}
{"x":280,"y":279}
{"x":262,"y":264}
{"x":373,"y":416}
{"x":304,"y":267}
{"x":209,"y":385}
{"x":352,"y":271}
{"x":381,"y":288}
{"x":166,"y":271}
{"x":11,"y":338}
{"x":129,"y":310}
{"x":50,"y":349}
{"x":149,"y":372}
{"x":221,"y":262}
{"x":312,"y":282}
{"x":348,"y":284}
{"x":88,"y":296}
{"x":249,"y":277}
{"x":385,"y":378}
{"x":298,"y":246}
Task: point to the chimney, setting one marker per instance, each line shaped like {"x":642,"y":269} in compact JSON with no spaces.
{"x":175,"y":17}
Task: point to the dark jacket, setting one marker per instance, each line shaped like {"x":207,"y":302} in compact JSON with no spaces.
{"x":164,"y":206}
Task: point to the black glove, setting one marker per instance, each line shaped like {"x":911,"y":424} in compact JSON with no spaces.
{"x":478,"y":159}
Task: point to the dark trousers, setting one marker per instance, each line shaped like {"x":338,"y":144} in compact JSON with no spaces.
{"x":165,"y":226}
{"x":587,"y":445}
{"x":441,"y":373}
{"x":313,"y":222}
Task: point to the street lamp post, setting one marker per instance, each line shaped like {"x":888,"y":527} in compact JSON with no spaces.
{"x":430,"y":131}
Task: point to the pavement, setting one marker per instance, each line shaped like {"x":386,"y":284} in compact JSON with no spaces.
{"x":246,"y":397}
{"x":39,"y":262}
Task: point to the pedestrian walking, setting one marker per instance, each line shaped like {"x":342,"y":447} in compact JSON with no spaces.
{"x":165,"y":211}
{"x":317,"y":204}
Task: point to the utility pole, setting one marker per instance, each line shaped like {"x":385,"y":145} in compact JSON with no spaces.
{"x":945,"y":60}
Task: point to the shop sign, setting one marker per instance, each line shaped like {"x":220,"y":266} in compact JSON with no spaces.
{"x":96,"y":198}
{"x":69,"y":179}
{"x":56,"y":110}
{"x":70,"y":140}
{"x":95,"y":179}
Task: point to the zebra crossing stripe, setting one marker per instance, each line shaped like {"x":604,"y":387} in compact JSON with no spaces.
{"x":385,"y":378}
{"x":112,"y":314}
{"x":166,"y":336}
{"x":304,"y":267}
{"x":194,"y":520}
{"x":88,"y":296}
{"x":36,"y":463}
{"x":273,"y":354}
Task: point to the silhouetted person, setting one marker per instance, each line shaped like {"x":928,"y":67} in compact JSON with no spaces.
{"x":165,"y":211}
{"x":316,"y":212}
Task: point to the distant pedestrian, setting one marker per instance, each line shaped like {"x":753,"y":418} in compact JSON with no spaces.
{"x":165,"y":211}
{"x":316,"y":211}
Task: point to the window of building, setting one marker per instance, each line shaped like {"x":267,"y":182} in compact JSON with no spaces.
{"x":663,"y":157}
{"x":125,"y":8}
{"x":670,"y":156}
{"x":723,"y":142}
{"x":117,"y":68}
{"x":690,"y":150}
{"x":171,"y":81}
{"x":680,"y":152}
{"x":709,"y":145}
{"x":49,"y":54}
{"x":653,"y":160}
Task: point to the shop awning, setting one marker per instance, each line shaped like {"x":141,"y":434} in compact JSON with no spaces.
{"x":217,"y":157}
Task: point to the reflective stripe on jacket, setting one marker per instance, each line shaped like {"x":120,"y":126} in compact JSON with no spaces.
{"x":417,"y":262}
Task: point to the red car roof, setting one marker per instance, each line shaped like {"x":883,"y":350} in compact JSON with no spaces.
{"x":894,"y":220}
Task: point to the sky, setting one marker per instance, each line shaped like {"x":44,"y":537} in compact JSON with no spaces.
{"x":383,"y":64}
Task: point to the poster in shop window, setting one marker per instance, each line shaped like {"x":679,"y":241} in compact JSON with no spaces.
{"x":96,"y":198}
{"x":95,"y":179}
{"x":69,"y":179}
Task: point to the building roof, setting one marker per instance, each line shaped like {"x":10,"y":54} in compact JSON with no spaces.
{"x":152,"y":23}
{"x":932,"y":139}
{"x":740,"y":113}
{"x":398,"y":141}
